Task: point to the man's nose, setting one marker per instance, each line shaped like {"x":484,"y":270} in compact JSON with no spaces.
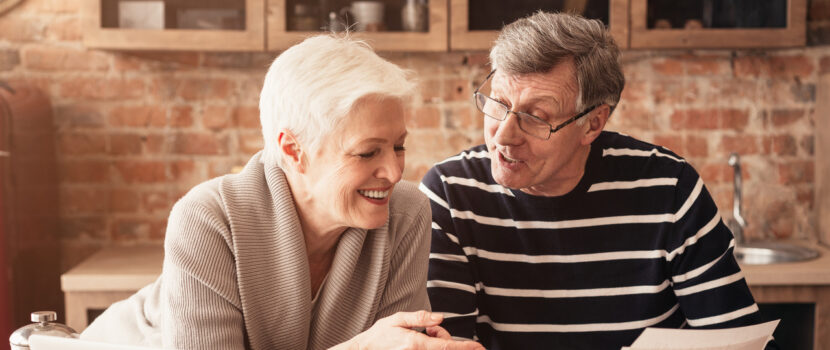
{"x":508,"y":131}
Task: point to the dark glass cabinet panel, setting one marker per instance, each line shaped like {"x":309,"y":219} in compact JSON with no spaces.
{"x":174,"y":14}
{"x":337,"y":15}
{"x":493,"y":15}
{"x":669,"y":14}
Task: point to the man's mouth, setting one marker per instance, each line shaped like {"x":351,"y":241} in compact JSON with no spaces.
{"x":508,"y":159}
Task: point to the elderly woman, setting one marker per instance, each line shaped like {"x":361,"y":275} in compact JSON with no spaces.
{"x":315,"y":243}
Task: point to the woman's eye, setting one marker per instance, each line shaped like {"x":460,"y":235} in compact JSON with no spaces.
{"x":367,"y":154}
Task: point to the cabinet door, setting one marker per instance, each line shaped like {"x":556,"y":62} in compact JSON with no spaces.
{"x":291,"y":21}
{"x":475,"y":23}
{"x":204,"y":25}
{"x":718,"y":23}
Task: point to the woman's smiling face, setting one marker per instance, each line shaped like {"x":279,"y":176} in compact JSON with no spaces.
{"x":351,"y":176}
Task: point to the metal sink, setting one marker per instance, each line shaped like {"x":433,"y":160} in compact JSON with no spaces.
{"x":761,"y":253}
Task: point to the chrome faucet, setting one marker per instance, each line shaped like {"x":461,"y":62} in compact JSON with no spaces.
{"x":737,"y":224}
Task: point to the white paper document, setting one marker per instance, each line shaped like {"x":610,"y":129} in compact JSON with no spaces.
{"x":741,"y":338}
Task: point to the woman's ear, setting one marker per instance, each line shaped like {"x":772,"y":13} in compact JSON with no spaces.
{"x":596,"y":122}
{"x":292,"y":152}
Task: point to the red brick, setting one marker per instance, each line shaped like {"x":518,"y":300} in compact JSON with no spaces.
{"x":824,"y":65}
{"x":789,"y":66}
{"x":733,"y":119}
{"x":124,"y":62}
{"x":138,"y":116}
{"x":64,"y":29}
{"x":806,"y":196}
{"x":83,"y":200}
{"x":84,"y":171}
{"x":808,"y":143}
{"x":216,"y":117}
{"x":750,"y":66}
{"x":195,"y":143}
{"x":181,"y":116}
{"x":156,"y":144}
{"x":250,"y":142}
{"x":157,"y":229}
{"x":184,"y":170}
{"x":431,"y":90}
{"x":124,"y":144}
{"x":707,"y":66}
{"x":742,"y":144}
{"x":696,"y":146}
{"x":168,"y":59}
{"x":78,"y":115}
{"x":695,"y":119}
{"x":457,"y":90}
{"x":82,"y":143}
{"x":124,"y":201}
{"x":779,"y":219}
{"x":675,"y":91}
{"x":669,"y":67}
{"x":673,"y":142}
{"x":784,"y":117}
{"x":130,"y":230}
{"x":102,"y":89}
{"x":423,"y":117}
{"x":87,"y":227}
{"x":18,"y":29}
{"x":142,"y":171}
{"x":635,"y":91}
{"x":629,"y":117}
{"x":9,"y":59}
{"x":715,"y":173}
{"x":156,"y":201}
{"x":796,"y":172}
{"x":246,"y":117}
{"x":200,"y":89}
{"x":415,"y":173}
{"x":783,"y":145}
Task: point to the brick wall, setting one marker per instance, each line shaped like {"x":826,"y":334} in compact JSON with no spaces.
{"x":136,"y":130}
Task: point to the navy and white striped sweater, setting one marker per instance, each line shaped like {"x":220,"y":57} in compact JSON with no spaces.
{"x":638,"y":243}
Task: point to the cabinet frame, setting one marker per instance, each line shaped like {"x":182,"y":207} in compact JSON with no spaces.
{"x":461,"y":38}
{"x":795,"y":34}
{"x":279,"y":38}
{"x":250,"y":39}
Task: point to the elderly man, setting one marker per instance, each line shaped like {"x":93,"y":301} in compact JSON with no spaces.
{"x":557,"y":234}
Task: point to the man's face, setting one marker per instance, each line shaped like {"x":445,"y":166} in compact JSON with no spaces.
{"x":524,"y":162}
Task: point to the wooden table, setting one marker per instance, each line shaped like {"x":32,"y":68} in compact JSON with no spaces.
{"x":107,"y":276}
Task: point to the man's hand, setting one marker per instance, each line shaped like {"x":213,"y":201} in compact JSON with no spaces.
{"x":395,"y":332}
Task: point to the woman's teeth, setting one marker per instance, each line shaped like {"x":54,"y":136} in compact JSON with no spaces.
{"x":374,"y":194}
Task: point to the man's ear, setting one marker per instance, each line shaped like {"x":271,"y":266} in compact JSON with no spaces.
{"x":595,"y":123}
{"x":292,"y":152}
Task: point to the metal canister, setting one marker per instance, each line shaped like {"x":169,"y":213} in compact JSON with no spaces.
{"x":44,"y":325}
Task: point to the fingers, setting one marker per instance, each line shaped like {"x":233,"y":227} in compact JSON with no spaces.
{"x":438,"y":332}
{"x":414,"y":319}
{"x":446,"y":344}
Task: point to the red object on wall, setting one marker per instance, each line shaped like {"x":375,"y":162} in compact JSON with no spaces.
{"x":29,"y":238}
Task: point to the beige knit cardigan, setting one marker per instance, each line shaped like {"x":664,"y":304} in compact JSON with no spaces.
{"x":236,"y":272}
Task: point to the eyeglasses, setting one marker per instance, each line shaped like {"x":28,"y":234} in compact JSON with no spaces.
{"x":531,"y":124}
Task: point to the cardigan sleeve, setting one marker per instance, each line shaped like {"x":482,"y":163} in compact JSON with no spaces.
{"x":406,"y":285}
{"x":199,"y":298}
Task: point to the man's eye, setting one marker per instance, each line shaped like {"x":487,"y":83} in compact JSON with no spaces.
{"x":400,"y":148}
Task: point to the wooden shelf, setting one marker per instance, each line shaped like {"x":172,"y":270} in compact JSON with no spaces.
{"x":250,"y":39}
{"x":279,"y":38}
{"x":793,"y":35}
{"x":461,"y":38}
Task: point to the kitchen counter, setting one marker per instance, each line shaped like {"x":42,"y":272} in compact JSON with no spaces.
{"x":812,"y":272}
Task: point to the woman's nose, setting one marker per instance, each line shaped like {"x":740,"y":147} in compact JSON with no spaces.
{"x":391,"y":169}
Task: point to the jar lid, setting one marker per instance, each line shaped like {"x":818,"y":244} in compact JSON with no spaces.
{"x":44,"y":326}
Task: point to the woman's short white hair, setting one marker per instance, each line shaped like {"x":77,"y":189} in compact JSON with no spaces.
{"x":311,"y":87}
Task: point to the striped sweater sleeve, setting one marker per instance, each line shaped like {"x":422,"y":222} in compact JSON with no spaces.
{"x":451,"y":286}
{"x":706,"y":278}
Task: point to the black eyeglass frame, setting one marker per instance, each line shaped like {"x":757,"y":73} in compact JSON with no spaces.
{"x":551,"y":127}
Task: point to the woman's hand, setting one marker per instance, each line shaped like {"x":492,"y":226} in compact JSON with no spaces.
{"x":395,"y":332}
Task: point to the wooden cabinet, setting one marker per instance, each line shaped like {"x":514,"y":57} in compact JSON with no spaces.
{"x":718,"y":24}
{"x":100,"y":22}
{"x":466,"y":35}
{"x":392,"y":39}
{"x":460,"y":25}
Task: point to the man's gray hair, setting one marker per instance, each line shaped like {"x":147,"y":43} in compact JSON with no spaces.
{"x":311,"y":87}
{"x":537,"y":43}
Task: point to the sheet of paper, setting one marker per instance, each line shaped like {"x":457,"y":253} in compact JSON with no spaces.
{"x":741,"y":338}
